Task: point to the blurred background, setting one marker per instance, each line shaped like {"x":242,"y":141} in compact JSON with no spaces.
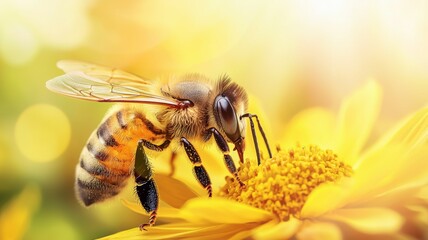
{"x":289,"y":55}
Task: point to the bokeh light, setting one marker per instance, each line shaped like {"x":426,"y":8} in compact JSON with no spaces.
{"x":28,"y":25}
{"x":18,"y":44}
{"x":42,"y":132}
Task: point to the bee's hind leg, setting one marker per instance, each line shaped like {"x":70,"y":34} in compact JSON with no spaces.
{"x":198,"y":169}
{"x":146,"y":186}
{"x":148,"y":195}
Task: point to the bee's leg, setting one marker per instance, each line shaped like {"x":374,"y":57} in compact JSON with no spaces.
{"x":222,"y":144}
{"x":146,"y":186}
{"x":159,"y":148}
{"x":148,"y":195}
{"x":155,"y":147}
{"x":198,"y":169}
{"x":171,"y":163}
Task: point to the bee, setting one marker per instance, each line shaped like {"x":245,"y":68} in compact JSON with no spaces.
{"x":188,"y":109}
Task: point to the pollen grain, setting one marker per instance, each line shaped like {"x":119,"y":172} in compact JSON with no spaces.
{"x":282,"y":183}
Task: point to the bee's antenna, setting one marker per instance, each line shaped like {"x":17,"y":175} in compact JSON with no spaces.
{"x":250,"y":116}
{"x":263,"y":135}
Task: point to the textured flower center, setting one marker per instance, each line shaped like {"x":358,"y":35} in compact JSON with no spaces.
{"x":282,"y":184}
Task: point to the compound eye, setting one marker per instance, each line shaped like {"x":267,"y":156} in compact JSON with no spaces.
{"x":227,"y":117}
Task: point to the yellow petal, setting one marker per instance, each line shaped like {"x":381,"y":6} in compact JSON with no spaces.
{"x":356,"y":119}
{"x":319,"y":231}
{"x":401,"y":156}
{"x":16,"y":215}
{"x":413,"y":170}
{"x":310,"y":126}
{"x":184,"y":231}
{"x":220,"y":210}
{"x":368,"y":220}
{"x":400,"y":170}
{"x":421,"y":213}
{"x":411,"y":131}
{"x":220,"y":231}
{"x":320,"y":200}
{"x":377,"y":170}
{"x":423,"y":193}
{"x":166,"y":231}
{"x":165,"y":213}
{"x":134,"y":206}
{"x":277,"y":230}
{"x":173,"y":191}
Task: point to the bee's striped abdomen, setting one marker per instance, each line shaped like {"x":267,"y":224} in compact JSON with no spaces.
{"x":107,"y":160}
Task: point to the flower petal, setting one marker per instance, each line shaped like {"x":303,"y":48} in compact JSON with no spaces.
{"x":249,"y":233}
{"x":320,"y":200}
{"x":387,"y":172}
{"x":401,"y":156}
{"x":275,"y":230}
{"x":319,"y":230}
{"x":411,"y":131}
{"x":310,"y":126}
{"x":220,"y":210}
{"x":378,"y":169}
{"x":356,"y":119}
{"x":401,"y":169}
{"x":164,"y":212}
{"x":421,"y":213}
{"x":413,"y":172}
{"x":220,"y":231}
{"x":423,"y":193}
{"x":184,"y":231}
{"x":173,"y":191}
{"x":166,"y":231}
{"x":368,"y":220}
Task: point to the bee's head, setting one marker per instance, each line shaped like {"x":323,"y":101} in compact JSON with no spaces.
{"x":230,"y":103}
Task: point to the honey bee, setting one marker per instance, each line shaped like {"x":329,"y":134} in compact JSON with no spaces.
{"x":190,"y":108}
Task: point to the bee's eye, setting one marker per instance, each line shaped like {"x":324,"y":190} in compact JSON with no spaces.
{"x":227,"y":118}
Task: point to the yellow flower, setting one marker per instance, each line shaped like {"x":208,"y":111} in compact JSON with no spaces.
{"x":308,"y":192}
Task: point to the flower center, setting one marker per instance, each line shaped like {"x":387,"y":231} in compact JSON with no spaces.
{"x":282,"y":184}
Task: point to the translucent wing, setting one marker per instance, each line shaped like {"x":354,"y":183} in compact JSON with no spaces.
{"x":102,"y":84}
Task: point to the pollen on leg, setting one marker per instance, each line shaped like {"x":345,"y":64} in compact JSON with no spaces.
{"x":282,"y":183}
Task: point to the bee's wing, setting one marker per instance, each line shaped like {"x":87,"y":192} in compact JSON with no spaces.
{"x":102,"y":84}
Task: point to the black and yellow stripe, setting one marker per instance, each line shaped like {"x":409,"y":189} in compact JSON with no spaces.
{"x":107,"y":160}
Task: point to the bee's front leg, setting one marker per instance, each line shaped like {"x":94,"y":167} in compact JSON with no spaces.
{"x":198,"y":169}
{"x":222,"y":144}
{"x":146,"y":186}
